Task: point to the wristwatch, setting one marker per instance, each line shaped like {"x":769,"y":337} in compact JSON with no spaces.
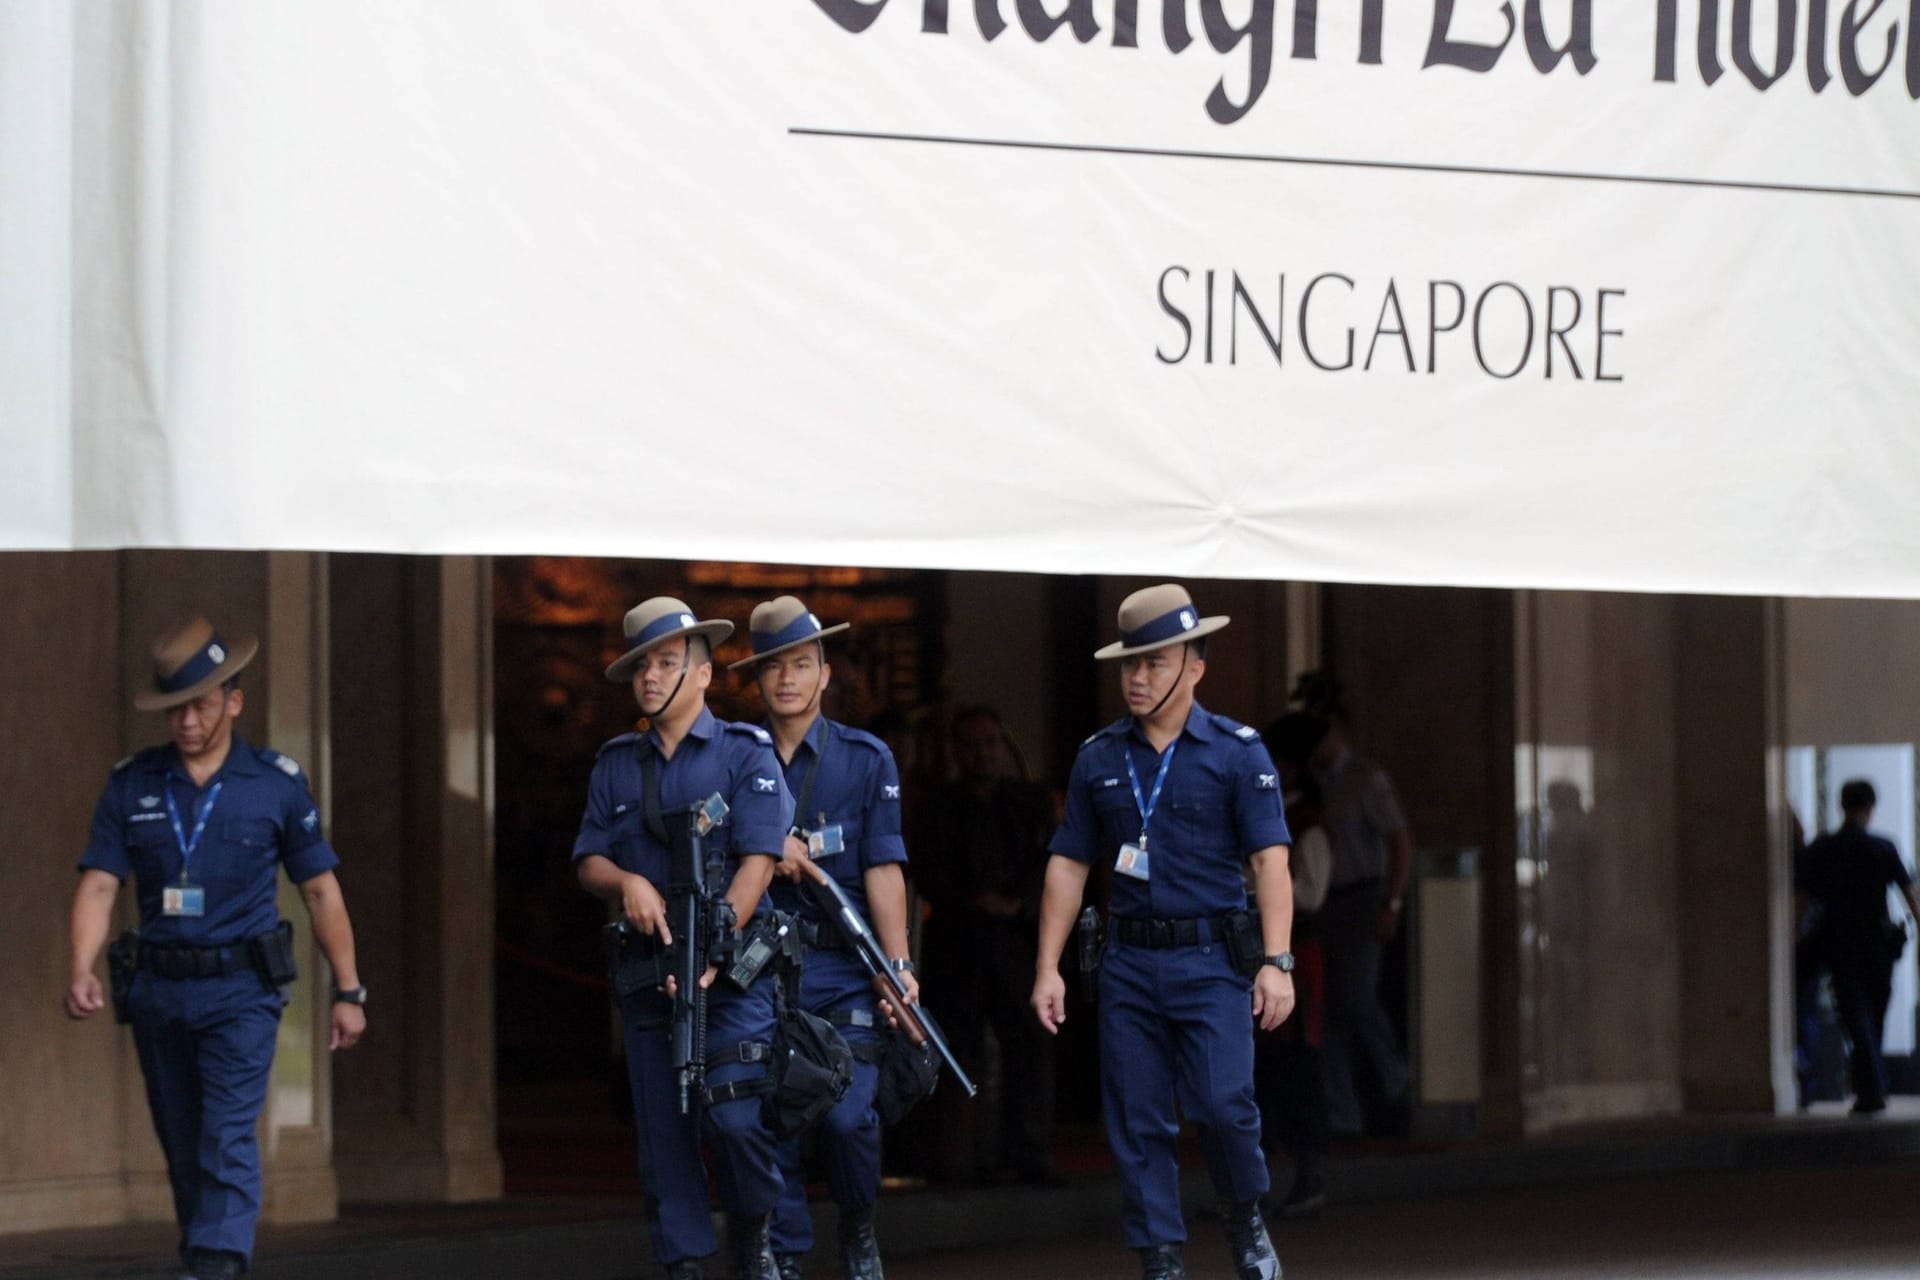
{"x":901,"y":964}
{"x":351,"y":995}
{"x":1283,"y":962}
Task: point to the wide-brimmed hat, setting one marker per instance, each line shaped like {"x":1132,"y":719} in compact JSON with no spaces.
{"x":191,"y":659}
{"x":781,"y":624}
{"x":1155,"y":617}
{"x":652,"y":623}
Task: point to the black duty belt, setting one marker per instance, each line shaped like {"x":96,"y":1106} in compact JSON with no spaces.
{"x":823,"y":937}
{"x":1160,"y":934}
{"x":851,"y":1018}
{"x":195,"y":962}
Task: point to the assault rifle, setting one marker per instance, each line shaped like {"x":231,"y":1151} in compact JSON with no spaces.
{"x":915,"y":1021}
{"x":698,"y":917}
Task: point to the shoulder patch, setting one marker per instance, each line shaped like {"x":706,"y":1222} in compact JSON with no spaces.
{"x":285,"y":764}
{"x":1246,"y":733}
{"x":621,"y":741}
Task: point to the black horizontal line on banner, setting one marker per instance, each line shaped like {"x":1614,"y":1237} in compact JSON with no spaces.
{"x":1333,"y":162}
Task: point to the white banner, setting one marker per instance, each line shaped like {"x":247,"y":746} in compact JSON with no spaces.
{"x":1542,"y":293}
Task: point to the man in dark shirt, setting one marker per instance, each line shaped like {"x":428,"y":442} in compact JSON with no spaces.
{"x":1846,"y":874}
{"x":979,"y":861}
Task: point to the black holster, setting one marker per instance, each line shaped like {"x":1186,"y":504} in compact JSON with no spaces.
{"x":1086,"y":933}
{"x":273,"y":956}
{"x":634,"y":961}
{"x":123,"y":961}
{"x":1246,"y":942}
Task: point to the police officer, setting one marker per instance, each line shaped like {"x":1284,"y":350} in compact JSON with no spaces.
{"x":623,"y":855}
{"x":205,"y":825}
{"x":1180,"y":802}
{"x":847,"y":826}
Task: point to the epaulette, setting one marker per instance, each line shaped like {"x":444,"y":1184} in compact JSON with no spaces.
{"x":285,"y":764}
{"x":863,"y":738}
{"x":621,"y":741}
{"x":758,"y":734}
{"x":124,"y":761}
{"x":1104,"y":731}
{"x":1244,"y":732}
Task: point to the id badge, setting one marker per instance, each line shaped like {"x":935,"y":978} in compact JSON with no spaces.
{"x":1132,"y":862}
{"x":826,"y":842}
{"x":183,"y":900}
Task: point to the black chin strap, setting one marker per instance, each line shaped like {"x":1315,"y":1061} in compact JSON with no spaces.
{"x":1186,"y":651}
{"x":670,"y":697}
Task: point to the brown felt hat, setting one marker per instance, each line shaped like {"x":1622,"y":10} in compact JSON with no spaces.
{"x":652,"y":623}
{"x":191,"y":659}
{"x":781,"y":624}
{"x":1155,"y":617}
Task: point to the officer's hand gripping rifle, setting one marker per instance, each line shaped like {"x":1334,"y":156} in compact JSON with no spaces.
{"x":697,"y":916}
{"x":914,"y":1021}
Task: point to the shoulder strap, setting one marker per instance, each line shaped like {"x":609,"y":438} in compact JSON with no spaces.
{"x":650,"y":793}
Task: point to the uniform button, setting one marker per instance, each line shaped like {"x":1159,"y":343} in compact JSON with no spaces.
{"x":1206,"y":951}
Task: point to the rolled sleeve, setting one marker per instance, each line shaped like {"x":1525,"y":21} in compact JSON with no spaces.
{"x":304,"y":850}
{"x":1078,"y":830}
{"x":107,"y":839}
{"x":1258,"y":811}
{"x":760,"y":810}
{"x":880,"y":840}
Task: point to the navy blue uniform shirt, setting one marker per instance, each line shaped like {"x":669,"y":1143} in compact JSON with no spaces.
{"x":264,"y":818}
{"x":736,"y":760}
{"x":1220,"y":805}
{"x":856,"y":786}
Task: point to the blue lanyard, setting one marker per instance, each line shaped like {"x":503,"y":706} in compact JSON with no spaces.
{"x":199,"y":823}
{"x":1146,"y":805}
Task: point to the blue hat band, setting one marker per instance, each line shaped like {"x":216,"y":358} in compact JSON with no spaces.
{"x":1168,"y":626}
{"x":804,"y":627}
{"x":664,"y":625}
{"x":195,"y":669}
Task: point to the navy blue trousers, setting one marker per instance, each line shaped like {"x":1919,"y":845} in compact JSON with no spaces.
{"x":672,"y":1175}
{"x":1177,"y":1024}
{"x":849,"y":1135}
{"x":206,"y":1051}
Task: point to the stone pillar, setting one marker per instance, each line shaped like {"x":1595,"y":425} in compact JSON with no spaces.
{"x":1735,"y":880}
{"x":296,"y":1130}
{"x":412,"y":660}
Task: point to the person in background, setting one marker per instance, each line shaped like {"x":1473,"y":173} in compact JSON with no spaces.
{"x":1365,"y":906}
{"x":1846,"y":875}
{"x":980,"y":855}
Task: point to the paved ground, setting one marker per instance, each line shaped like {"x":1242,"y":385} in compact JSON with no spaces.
{"x":1819,"y":1197}
{"x":1849,"y":1222}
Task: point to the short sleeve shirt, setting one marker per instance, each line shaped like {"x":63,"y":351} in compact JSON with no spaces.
{"x":263,"y":818}
{"x":1362,"y":811}
{"x":1848,"y":872}
{"x":1220,"y":804}
{"x":847,"y":779}
{"x":736,"y":761}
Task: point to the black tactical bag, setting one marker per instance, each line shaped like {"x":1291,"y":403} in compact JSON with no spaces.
{"x":811,"y":1070}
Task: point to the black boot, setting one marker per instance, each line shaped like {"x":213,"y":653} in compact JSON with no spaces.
{"x":1253,"y":1255}
{"x":748,"y":1239}
{"x":213,"y":1264}
{"x":792,"y":1266}
{"x":859,"y":1250}
{"x":1162,"y":1262}
{"x":686,"y":1269}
